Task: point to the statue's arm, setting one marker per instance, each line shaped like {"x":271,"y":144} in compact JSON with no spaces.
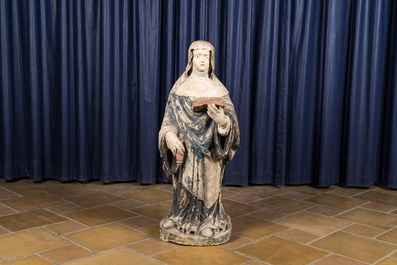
{"x":219,"y":116}
{"x":224,"y":130}
{"x":168,"y":135}
{"x":226,"y":145}
{"x":168,"y":126}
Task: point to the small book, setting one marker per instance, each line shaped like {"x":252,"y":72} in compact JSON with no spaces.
{"x":200,"y":104}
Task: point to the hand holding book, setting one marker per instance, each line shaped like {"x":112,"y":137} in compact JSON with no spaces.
{"x":214,"y":107}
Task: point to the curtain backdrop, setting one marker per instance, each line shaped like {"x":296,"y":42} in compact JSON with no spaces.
{"x":314,"y":83}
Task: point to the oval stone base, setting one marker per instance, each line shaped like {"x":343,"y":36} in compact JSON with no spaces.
{"x":175,"y":236}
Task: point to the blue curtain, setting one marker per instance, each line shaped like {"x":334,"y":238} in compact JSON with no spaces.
{"x":84,"y":84}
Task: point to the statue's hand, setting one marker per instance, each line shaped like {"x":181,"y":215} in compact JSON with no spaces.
{"x":218,"y":115}
{"x":174,"y":144}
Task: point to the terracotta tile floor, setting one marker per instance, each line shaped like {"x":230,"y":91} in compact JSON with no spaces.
{"x":96,"y":224}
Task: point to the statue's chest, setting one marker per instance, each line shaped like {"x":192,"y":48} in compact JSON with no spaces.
{"x":199,"y":87}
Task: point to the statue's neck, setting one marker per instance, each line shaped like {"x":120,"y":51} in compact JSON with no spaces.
{"x":199,"y":74}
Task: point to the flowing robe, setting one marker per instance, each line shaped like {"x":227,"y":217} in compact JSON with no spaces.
{"x":197,"y":201}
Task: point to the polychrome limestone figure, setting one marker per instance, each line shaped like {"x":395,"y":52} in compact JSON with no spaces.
{"x":198,"y":137}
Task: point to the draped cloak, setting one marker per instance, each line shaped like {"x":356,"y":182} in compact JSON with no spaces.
{"x":197,"y":203}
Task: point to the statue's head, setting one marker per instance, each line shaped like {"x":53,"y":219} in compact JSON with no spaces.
{"x":202,"y":50}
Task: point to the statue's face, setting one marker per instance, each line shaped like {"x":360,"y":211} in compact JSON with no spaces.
{"x":201,"y":61}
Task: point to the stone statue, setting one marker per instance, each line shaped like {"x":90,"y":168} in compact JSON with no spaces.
{"x":198,"y":137}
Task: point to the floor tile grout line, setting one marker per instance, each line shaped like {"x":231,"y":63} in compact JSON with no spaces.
{"x":26,"y":256}
{"x":383,"y":258}
{"x":49,"y":260}
{"x":16,"y":193}
{"x":41,"y":253}
{"x":148,"y":256}
{"x":276,"y":219}
{"x":368,"y":226}
{"x":244,"y":255}
{"x":129,"y":199}
{"x":350,"y":258}
{"x":102,"y":252}
{"x":167,"y":201}
{"x":319,"y":259}
{"x":252,"y":261}
{"x":71,"y":243}
{"x":6,"y":229}
{"x":71,"y":219}
{"x":140,"y":215}
{"x":378,"y":240}
{"x":135,"y":229}
{"x":361,"y":206}
{"x":242,"y":202}
{"x":276,"y":235}
{"x":351,"y":196}
{"x":12,"y":209}
{"x":162,"y":252}
{"x":58,"y":235}
{"x":390,"y":255}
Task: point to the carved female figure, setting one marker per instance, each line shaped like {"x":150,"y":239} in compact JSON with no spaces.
{"x":198,"y":137}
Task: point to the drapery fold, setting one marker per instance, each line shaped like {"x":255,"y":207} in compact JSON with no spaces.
{"x":84,"y":86}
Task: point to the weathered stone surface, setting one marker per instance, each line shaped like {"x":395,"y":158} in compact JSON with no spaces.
{"x":198,"y":137}
{"x":175,"y":236}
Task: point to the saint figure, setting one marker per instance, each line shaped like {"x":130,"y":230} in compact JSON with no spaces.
{"x":198,"y":137}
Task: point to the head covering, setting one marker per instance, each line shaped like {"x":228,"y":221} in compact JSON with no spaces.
{"x":199,"y":45}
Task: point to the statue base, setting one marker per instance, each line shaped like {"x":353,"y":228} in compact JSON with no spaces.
{"x":175,"y":236}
